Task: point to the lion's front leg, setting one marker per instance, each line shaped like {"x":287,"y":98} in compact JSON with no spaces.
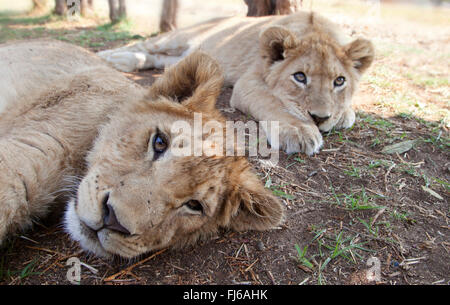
{"x":126,"y":61}
{"x":14,"y":212}
{"x":157,"y":52}
{"x":32,"y":174}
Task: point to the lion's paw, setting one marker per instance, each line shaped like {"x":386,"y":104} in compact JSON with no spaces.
{"x":125,"y":61}
{"x":299,"y":138}
{"x":347,"y":119}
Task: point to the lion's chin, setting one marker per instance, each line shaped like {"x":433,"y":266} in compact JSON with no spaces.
{"x":83,"y":235}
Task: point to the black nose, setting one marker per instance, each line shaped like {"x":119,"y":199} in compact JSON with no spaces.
{"x":318,"y":119}
{"x":110,"y":219}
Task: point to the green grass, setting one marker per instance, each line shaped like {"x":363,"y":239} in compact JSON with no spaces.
{"x":338,"y":133}
{"x":4,"y":270}
{"x":437,"y":135}
{"x":380,"y":77}
{"x":400,"y":88}
{"x":369,"y":226}
{"x":302,"y":257}
{"x":280,"y":193}
{"x":8,"y":19}
{"x":442,"y":182}
{"x":402,"y":216}
{"x":377,"y":123}
{"x":379,"y":163}
{"x":28,"y":270}
{"x":427,"y":81}
{"x":276,"y":189}
{"x":383,"y":130}
{"x":355,"y":201}
{"x":7,"y":274}
{"x":339,"y":246}
{"x":96,"y":36}
{"x":330,"y":246}
{"x":353,"y":172}
{"x":438,"y":140}
{"x":298,"y":161}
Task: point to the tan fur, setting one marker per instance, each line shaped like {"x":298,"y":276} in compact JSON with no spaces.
{"x":67,"y":114}
{"x":259,"y":57}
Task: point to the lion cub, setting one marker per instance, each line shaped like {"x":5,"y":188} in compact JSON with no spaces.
{"x":297,"y":69}
{"x":65,"y":113}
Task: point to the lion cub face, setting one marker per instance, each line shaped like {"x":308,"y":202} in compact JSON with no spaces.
{"x":140,"y":195}
{"x":314,"y":76}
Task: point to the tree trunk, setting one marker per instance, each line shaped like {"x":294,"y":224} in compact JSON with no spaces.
{"x":87,"y":8}
{"x":168,"y":21}
{"x":113,"y":11}
{"x":60,"y":7}
{"x":258,"y":7}
{"x":272,"y":7}
{"x":83,"y":7}
{"x":117,"y":10}
{"x":122,"y":9}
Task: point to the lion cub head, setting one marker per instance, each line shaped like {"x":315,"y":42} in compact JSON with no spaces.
{"x":312,"y":73}
{"x":139,"y":195}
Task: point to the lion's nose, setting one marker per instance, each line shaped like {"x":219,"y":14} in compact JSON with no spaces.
{"x":110,"y":219}
{"x":318,"y":119}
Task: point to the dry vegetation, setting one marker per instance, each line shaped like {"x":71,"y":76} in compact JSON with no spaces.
{"x":378,"y":190}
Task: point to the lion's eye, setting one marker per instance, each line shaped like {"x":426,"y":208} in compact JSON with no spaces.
{"x":159,"y":143}
{"x":300,"y":77}
{"x":194,"y":205}
{"x":338,"y":82}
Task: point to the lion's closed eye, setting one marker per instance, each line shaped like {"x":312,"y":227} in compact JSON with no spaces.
{"x":194,"y":207}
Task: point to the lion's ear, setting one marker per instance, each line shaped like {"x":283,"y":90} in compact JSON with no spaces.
{"x":274,"y":41}
{"x":361,"y":52}
{"x":250,"y":206}
{"x":196,"y":82}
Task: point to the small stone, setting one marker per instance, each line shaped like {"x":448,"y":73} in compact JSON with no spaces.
{"x":313,"y":173}
{"x":260,"y":246}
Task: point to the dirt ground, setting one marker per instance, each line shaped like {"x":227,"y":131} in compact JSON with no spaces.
{"x":353,"y":201}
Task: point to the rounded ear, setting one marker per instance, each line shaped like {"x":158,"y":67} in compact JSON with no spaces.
{"x":361,"y":52}
{"x":274,"y":41}
{"x":196,"y":82}
{"x":250,"y":206}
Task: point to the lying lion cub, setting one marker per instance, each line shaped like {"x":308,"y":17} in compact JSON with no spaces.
{"x":294,"y":69}
{"x":64,"y":113}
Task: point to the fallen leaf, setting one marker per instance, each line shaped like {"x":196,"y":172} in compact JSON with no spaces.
{"x":399,"y":147}
{"x":431,"y":192}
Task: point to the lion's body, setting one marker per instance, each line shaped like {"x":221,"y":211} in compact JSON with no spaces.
{"x":259,"y":56}
{"x":66,"y":114}
{"x":53,"y":99}
{"x":232,"y":41}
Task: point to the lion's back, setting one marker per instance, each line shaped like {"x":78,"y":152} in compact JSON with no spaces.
{"x":27,"y":68}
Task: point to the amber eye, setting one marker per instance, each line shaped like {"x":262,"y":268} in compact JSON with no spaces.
{"x":159,"y":143}
{"x":338,"y":82}
{"x":300,"y":77}
{"x":194,"y":205}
